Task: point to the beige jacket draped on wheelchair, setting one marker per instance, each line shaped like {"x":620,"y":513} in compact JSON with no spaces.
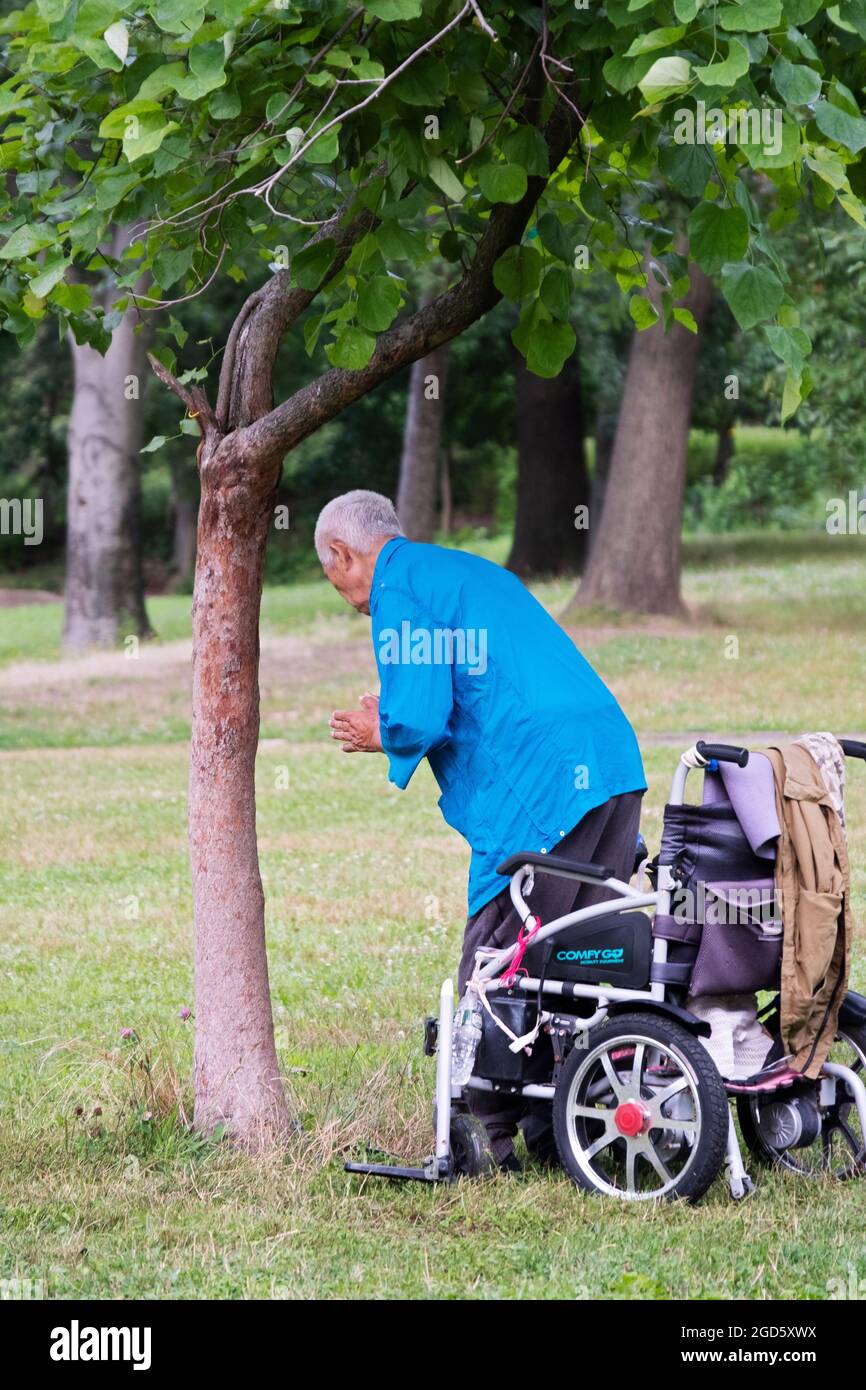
{"x":813,"y":887}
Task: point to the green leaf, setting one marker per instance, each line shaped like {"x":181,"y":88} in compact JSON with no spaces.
{"x":527,"y":147}
{"x":153,"y":444}
{"x":799,"y":12}
{"x":178,"y":17}
{"x":445,"y":178}
{"x":828,"y":165}
{"x":753,"y":293}
{"x":425,"y":83}
{"x":503,"y":183}
{"x":517,"y":273}
{"x":114,"y":125}
{"x":788,"y":347}
{"x":656,"y":38}
{"x":550,"y":346}
{"x":170,"y":264}
{"x":642,"y":312}
{"x":685,"y":10}
{"x":392,"y":10}
{"x":556,"y":238}
{"x":378,"y":303}
{"x":352,"y":350}
{"x":556,"y":292}
{"x":780,"y":151}
{"x":26,"y":241}
{"x":324,"y":150}
{"x":717,"y":235}
{"x":838,"y":125}
{"x":207,"y":62}
{"x":225,"y":103}
{"x":727,"y":72}
{"x":752,"y":16}
{"x":665,"y":77}
{"x":310,"y":265}
{"x":625,"y":73}
{"x":399,"y":243}
{"x":73,"y":298}
{"x":791,"y":395}
{"x":687,"y":168}
{"x":52,"y":272}
{"x":687,"y":319}
{"x":854,"y":208}
{"x":796,"y":83}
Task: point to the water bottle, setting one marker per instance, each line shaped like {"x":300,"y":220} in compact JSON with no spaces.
{"x":465,"y":1039}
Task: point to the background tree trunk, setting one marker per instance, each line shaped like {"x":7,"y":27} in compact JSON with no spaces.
{"x":446,"y":506}
{"x":417,"y":493}
{"x":184,"y":500}
{"x":104,"y":582}
{"x":552,"y":477}
{"x":237,"y":1079}
{"x":635,"y":559}
{"x":724,"y":453}
{"x":605,"y":429}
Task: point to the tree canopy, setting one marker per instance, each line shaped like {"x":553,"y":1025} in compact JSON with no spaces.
{"x":344,"y":146}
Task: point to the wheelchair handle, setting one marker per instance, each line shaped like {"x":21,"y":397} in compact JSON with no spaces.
{"x":852,"y":749}
{"x":723,"y":752}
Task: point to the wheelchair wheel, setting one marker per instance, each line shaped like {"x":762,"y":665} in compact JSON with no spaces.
{"x":471,"y":1156}
{"x":796,"y":1130}
{"x":641,"y":1113}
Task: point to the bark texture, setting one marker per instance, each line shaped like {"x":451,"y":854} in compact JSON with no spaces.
{"x":237,"y":1079}
{"x":420,"y":466}
{"x":104,"y":589}
{"x":634,"y":562}
{"x":552,"y":476}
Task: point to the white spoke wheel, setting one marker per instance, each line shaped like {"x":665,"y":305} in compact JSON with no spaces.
{"x":640,"y":1113}
{"x":838,"y":1147}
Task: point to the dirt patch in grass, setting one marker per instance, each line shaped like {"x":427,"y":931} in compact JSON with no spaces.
{"x":19,"y":598}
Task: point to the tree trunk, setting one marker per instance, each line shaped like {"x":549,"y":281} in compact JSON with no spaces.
{"x":552,"y":479}
{"x":724,"y":453}
{"x":104,"y":588}
{"x":605,"y":428}
{"x":422,"y":443}
{"x":185,"y":507}
{"x":446,"y":505}
{"x":635,"y":559}
{"x":237,"y":1080}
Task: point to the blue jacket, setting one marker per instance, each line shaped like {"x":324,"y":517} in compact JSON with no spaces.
{"x":522,"y":735}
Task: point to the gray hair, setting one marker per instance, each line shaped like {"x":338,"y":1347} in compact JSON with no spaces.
{"x":358,"y":519}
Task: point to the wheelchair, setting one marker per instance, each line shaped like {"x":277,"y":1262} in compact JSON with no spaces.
{"x":594,"y":1021}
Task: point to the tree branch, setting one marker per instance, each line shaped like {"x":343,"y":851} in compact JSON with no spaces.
{"x":246,"y":376}
{"x":274,"y":434}
{"x":193,"y":397}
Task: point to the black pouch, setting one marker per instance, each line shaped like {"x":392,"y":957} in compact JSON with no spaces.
{"x":494,"y":1060}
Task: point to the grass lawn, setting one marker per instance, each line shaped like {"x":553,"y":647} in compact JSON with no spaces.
{"x":104,"y":1193}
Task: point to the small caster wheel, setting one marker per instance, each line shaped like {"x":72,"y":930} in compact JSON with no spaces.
{"x":471,"y":1156}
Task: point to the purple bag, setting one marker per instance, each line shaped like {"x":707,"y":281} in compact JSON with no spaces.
{"x":740,"y":948}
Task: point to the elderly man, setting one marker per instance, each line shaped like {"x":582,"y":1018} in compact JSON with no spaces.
{"x":529,"y":748}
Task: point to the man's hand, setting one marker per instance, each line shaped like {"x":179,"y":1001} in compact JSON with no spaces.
{"x":358,"y":729}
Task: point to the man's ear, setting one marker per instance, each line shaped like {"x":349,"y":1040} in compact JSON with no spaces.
{"x":341,"y":553}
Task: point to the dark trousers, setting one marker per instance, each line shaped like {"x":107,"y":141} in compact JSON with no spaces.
{"x":606,"y":835}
